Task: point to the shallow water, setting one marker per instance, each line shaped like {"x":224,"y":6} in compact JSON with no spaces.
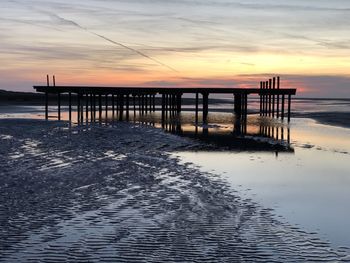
{"x":309,"y":187}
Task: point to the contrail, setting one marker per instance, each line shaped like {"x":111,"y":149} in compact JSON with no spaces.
{"x":71,"y":22}
{"x":132,"y":49}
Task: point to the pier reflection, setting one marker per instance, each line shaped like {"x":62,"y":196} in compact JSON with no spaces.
{"x":223,"y":130}
{"x":254,"y":133}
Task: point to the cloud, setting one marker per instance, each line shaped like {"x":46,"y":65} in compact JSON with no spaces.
{"x":208,"y":41}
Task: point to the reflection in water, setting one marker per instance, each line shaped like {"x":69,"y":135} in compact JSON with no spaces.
{"x":227,"y":131}
{"x":223,"y":128}
{"x":309,"y":187}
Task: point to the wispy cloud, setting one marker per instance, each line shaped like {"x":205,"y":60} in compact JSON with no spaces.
{"x":70,"y":22}
{"x":73,"y":23}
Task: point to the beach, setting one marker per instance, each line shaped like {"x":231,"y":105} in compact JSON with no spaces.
{"x":130,"y":192}
{"x":115,"y":194}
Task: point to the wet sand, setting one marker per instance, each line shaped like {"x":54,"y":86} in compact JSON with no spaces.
{"x":116,"y":194}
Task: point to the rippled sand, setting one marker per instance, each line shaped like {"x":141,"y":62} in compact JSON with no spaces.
{"x":116,"y":194}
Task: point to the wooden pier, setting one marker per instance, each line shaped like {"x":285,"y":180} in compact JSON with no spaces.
{"x":121,"y":102}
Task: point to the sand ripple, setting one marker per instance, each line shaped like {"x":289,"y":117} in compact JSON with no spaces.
{"x":112,"y":194}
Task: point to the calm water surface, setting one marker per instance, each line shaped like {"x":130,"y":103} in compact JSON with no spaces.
{"x":309,"y":187}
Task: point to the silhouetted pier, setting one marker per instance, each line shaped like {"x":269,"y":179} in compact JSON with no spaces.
{"x":94,"y":102}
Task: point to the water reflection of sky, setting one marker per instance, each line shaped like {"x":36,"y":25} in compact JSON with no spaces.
{"x":309,"y":187}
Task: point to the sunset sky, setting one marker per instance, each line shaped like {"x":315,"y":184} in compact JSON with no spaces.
{"x":226,"y":43}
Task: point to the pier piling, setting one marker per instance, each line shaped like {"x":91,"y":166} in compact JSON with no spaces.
{"x":70,"y":106}
{"x":127,"y":106}
{"x":196,"y":118}
{"x":86,"y":107}
{"x":278,"y":98}
{"x":205,"y":107}
{"x":100,"y":106}
{"x":289,"y":106}
{"x":283,"y":103}
{"x":47,"y":98}
{"x":273,"y":96}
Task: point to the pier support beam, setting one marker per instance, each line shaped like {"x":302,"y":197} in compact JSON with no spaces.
{"x":81,"y":108}
{"x":265,"y":99}
{"x":266,"y":87}
{"x":166,"y":105}
{"x":178,"y":101}
{"x":261,"y":100}
{"x":283,"y":103}
{"x":289,"y":106}
{"x":197,"y":102}
{"x":163,"y":109}
{"x":47,"y":98}
{"x":91,"y":107}
{"x":86,"y":107}
{"x":238,"y":105}
{"x":113,"y":107}
{"x":78,"y":108}
{"x":146,"y":103}
{"x":273,"y":96}
{"x":142,"y":104}
{"x":154,"y":103}
{"x":70,"y":106}
{"x":100,"y":106}
{"x":205,"y":107}
{"x":134,"y":105}
{"x":58,"y":99}
{"x":121,"y":107}
{"x":245,"y":105}
{"x":172,"y":105}
{"x":127,"y":106}
{"x":139,"y":102}
{"x":94,"y":107}
{"x":278,"y":98}
{"x":270,"y":97}
{"x":46,"y":105}
{"x":106,"y":106}
{"x":59,"y":105}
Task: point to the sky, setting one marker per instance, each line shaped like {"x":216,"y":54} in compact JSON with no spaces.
{"x":216,"y":43}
